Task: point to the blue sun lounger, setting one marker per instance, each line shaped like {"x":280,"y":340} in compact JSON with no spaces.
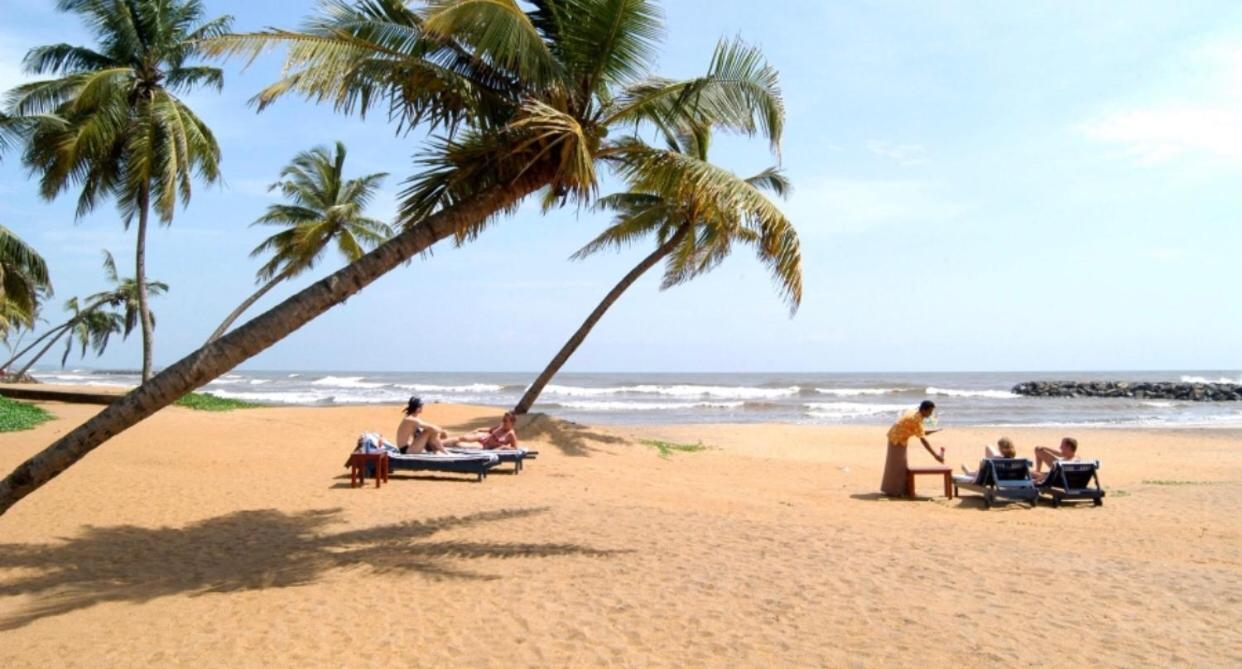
{"x":1072,"y":480}
{"x":455,"y":463}
{"x":515,"y":456}
{"x":1000,"y":478}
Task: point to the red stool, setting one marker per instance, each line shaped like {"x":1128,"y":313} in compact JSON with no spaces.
{"x":358,"y":468}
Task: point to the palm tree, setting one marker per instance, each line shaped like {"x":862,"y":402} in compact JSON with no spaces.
{"x":323,"y":208}
{"x":111,"y":124}
{"x":91,"y":329}
{"x":695,"y":223}
{"x":87,"y":322}
{"x":24,"y":280}
{"x":529,"y":100}
{"x":24,"y":283}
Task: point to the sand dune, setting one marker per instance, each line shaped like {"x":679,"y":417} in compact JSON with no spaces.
{"x":233,"y":539}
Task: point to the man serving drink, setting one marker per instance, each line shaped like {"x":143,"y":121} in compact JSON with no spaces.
{"x":896,"y":464}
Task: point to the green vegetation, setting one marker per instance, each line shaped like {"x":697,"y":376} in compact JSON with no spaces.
{"x":94,"y":319}
{"x":205,"y":402}
{"x":15,"y":416}
{"x":24,"y":283}
{"x":667,"y":448}
{"x":324,"y":209}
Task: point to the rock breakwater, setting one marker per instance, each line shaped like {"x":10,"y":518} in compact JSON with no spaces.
{"x":1158,"y":390}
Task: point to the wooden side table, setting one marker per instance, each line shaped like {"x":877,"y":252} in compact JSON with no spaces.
{"x":946,"y":472}
{"x":358,"y":468}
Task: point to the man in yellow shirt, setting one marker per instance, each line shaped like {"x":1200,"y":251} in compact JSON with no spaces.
{"x":896,"y":464}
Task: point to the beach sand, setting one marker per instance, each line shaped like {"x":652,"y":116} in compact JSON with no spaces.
{"x":234,"y":539}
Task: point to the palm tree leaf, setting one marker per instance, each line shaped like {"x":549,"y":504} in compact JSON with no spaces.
{"x":497,"y":31}
{"x":772,"y":179}
{"x":740,"y":92}
{"x":609,"y":42}
{"x":187,"y":78}
{"x":65,"y":59}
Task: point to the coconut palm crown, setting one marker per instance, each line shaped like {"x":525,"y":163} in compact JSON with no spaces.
{"x":24,"y":283}
{"x":695,"y":221}
{"x":323,"y":207}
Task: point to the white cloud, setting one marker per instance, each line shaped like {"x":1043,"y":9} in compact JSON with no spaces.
{"x":1204,"y":118}
{"x":1158,"y":134}
{"x":905,"y":155}
{"x":837,"y":205}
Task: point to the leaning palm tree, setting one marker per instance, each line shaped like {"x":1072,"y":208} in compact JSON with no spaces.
{"x":695,"y":222}
{"x":121,"y":300}
{"x":323,"y":208}
{"x":92,"y":328}
{"x":24,"y":283}
{"x":111,"y":123}
{"x":528,"y":100}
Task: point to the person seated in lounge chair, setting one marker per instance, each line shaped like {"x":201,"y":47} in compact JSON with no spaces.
{"x":1004,"y":449}
{"x":415,"y":435}
{"x":1047,"y":456}
{"x":501,"y":436}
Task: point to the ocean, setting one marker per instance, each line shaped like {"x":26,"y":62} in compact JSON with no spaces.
{"x":962,"y":398}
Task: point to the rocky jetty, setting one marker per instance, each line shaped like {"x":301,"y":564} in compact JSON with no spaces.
{"x":1187,"y":392}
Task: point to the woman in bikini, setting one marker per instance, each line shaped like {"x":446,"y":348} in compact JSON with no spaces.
{"x":501,"y":436}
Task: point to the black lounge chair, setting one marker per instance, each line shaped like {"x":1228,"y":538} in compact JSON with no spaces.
{"x":515,"y":456}
{"x":1071,"y":480}
{"x":1000,"y":478}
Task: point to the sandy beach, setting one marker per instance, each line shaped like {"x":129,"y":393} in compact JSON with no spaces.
{"x":234,"y":539}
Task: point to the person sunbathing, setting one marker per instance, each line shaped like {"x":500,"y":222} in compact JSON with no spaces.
{"x":501,"y":436}
{"x":1004,"y":449}
{"x":1047,"y":456}
{"x":415,"y":434}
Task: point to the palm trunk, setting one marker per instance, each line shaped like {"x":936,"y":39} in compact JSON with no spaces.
{"x":42,"y":352}
{"x":17,"y":356}
{"x":216,"y":358}
{"x":140,"y":275}
{"x":562,"y":356}
{"x":241,"y":308}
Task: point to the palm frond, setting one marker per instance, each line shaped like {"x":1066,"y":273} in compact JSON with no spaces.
{"x":740,"y":92}
{"x":65,"y":59}
{"x":499,"y":32}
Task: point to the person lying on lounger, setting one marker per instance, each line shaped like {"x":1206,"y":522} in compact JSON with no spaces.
{"x":1004,"y":449}
{"x":501,"y":436}
{"x":415,"y":435}
{"x":1047,"y":456}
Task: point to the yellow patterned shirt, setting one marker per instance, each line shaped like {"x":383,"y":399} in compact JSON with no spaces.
{"x":909,"y":425}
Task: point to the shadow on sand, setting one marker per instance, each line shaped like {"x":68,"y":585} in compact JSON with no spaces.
{"x":570,"y":438}
{"x":960,"y":502}
{"x":245,"y":550}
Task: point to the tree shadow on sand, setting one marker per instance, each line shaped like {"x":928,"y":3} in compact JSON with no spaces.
{"x":570,"y":438}
{"x":245,"y":550}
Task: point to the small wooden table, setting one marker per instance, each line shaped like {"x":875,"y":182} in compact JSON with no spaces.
{"x":947,"y":472}
{"x":358,"y":468}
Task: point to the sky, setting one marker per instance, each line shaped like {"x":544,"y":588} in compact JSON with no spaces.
{"x":977,"y":186}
